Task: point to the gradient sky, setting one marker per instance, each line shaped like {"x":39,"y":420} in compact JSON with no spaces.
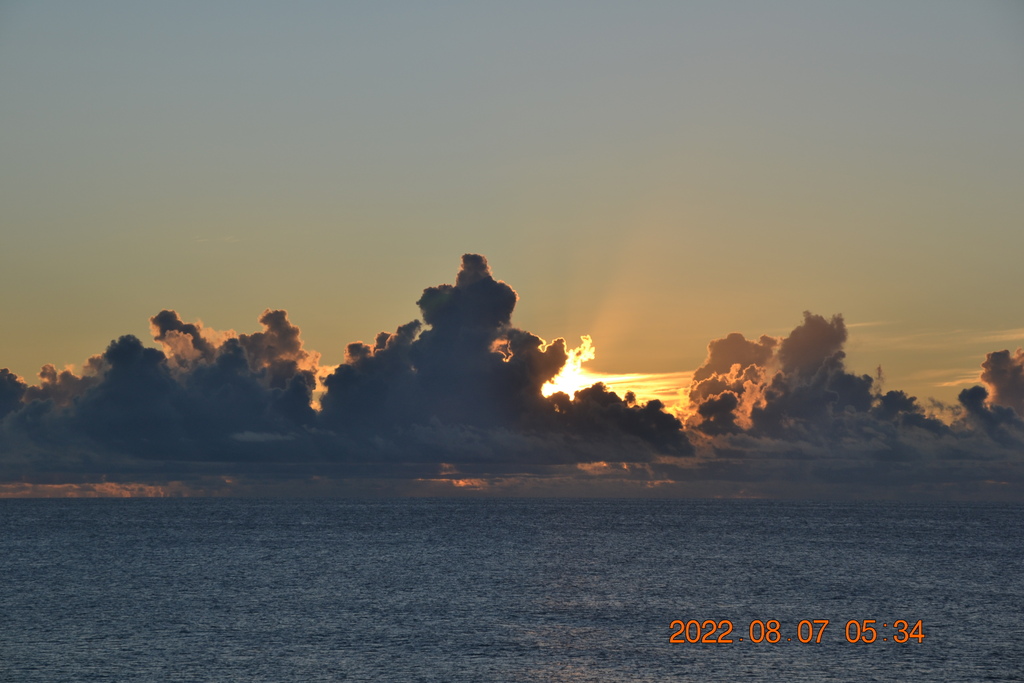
{"x":653,"y":174}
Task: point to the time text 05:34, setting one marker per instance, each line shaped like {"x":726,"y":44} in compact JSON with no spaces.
{"x":807,"y":631}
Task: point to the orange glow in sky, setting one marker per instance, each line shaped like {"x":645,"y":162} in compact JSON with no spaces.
{"x":668,"y":387}
{"x":91,"y":490}
{"x":572,"y":376}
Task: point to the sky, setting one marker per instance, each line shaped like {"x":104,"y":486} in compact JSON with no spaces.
{"x":653,"y":175}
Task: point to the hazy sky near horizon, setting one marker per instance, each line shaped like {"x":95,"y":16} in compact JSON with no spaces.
{"x":653,"y":174}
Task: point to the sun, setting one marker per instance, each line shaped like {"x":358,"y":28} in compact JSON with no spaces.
{"x":572,"y":377}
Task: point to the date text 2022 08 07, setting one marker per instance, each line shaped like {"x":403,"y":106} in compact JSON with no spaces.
{"x":807,"y":631}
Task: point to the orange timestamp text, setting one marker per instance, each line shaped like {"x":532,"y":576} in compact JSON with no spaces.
{"x":807,"y":631}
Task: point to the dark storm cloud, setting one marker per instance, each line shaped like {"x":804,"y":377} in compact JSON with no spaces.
{"x":468,"y":366}
{"x":1000,"y":423}
{"x":463,"y":387}
{"x":63,"y":387}
{"x":796,"y":389}
{"x":718,"y":413}
{"x":471,"y":367}
{"x":814,"y":344}
{"x":187,"y":403}
{"x":11,"y":391}
{"x":453,"y":401}
{"x":781,"y":417}
{"x":276,"y":353}
{"x":596,"y":410}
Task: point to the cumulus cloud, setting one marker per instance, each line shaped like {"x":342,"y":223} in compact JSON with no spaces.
{"x":796,"y":388}
{"x":467,"y":365}
{"x":786,"y":415}
{"x":1004,"y":375}
{"x":463,"y":385}
{"x":182,"y":341}
{"x":11,"y":391}
{"x":62,"y":387}
{"x":452,"y":401}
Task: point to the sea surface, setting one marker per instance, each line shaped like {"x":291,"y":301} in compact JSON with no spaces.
{"x":506,"y":590}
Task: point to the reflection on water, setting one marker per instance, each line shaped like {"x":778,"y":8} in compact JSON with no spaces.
{"x":500,"y":590}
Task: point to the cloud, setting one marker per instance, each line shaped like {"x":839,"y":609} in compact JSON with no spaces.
{"x":1004,"y":374}
{"x":785,"y":415}
{"x":1000,"y":423}
{"x":469,"y":366}
{"x":62,"y":387}
{"x":463,"y":385}
{"x":11,"y":391}
{"x":796,"y":388}
{"x":182,"y":341}
{"x":453,"y":402}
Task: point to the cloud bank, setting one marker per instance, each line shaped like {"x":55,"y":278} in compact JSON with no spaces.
{"x":452,"y":402}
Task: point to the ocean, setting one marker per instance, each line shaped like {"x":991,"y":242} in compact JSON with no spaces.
{"x":509,"y":590}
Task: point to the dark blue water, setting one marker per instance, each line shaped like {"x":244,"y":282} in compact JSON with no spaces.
{"x":502,"y":590}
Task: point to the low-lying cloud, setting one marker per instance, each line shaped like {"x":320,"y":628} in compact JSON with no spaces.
{"x":453,"y":402}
